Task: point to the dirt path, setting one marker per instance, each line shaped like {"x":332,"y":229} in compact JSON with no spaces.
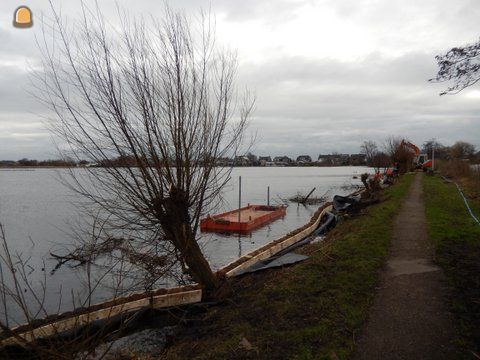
{"x":409,"y":317}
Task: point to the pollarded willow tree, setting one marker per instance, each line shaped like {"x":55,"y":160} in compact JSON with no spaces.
{"x":155,"y":104}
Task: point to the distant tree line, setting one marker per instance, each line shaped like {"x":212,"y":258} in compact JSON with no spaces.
{"x":460,"y":150}
{"x":393,"y":152}
{"x":371,"y":154}
{"x":42,"y":163}
{"x":333,"y":159}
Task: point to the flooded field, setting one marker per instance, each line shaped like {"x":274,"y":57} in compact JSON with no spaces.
{"x":37,"y":212}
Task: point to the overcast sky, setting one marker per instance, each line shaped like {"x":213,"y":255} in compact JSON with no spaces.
{"x":327,"y":74}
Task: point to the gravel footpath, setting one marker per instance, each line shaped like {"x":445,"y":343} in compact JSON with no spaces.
{"x":409,"y":318}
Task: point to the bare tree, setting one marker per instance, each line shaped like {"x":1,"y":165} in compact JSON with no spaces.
{"x":369,"y":149}
{"x":24,"y":306}
{"x":161,"y":95}
{"x":401,"y":153}
{"x":462,"y":150}
{"x":431,"y":146}
{"x":381,"y":161}
{"x":460,"y":65}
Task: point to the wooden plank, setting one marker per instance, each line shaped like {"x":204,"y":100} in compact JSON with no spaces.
{"x":251,"y":254}
{"x":156,"y":302}
{"x":274,"y":249}
{"x":183,"y":298}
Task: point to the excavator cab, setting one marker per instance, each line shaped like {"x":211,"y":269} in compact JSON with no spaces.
{"x":420,"y":160}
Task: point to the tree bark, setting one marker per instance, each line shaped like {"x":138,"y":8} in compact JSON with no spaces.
{"x":173,"y":215}
{"x":198,"y":266}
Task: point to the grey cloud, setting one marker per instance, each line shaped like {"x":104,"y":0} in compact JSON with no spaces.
{"x":324,"y":106}
{"x":268,"y":11}
{"x":15,"y":91}
{"x":304,"y":105}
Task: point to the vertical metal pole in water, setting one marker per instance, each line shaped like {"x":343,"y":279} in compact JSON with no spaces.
{"x":239,"y":245}
{"x":239,"y":196}
{"x":268,"y":195}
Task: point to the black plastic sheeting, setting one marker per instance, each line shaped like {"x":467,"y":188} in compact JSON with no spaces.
{"x":341,"y":203}
{"x":329,"y":221}
{"x":286,"y":257}
{"x":273,"y":262}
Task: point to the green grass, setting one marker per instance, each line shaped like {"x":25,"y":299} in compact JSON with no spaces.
{"x":457,"y":243}
{"x":312,"y":310}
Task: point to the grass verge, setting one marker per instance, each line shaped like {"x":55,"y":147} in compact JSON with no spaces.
{"x":308,"y":311}
{"x":457,"y":243}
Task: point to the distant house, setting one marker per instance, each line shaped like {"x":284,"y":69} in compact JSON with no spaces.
{"x":252,"y":158}
{"x":326,"y":160}
{"x":263,"y":160}
{"x":224,"y":161}
{"x":333,"y":159}
{"x":304,"y":159}
{"x":358,"y":159}
{"x":7,"y":163}
{"x":344,"y":159}
{"x":242,"y":161}
{"x":282,"y":158}
{"x":282,"y":161}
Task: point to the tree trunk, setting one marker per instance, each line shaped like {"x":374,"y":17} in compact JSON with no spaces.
{"x":192,"y":255}
{"x":175,"y":221}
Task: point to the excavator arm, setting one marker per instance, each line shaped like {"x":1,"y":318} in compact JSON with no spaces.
{"x":421,"y":160}
{"x":414,"y":147}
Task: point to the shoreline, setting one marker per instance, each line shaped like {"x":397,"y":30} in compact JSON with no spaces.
{"x":106,"y":309}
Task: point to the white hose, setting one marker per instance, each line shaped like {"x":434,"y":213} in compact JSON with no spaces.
{"x":468,"y":206}
{"x":464,"y":200}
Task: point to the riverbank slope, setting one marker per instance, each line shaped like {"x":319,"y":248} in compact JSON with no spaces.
{"x":310,"y":310}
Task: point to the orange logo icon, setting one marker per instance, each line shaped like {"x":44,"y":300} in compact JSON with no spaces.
{"x":22,"y":17}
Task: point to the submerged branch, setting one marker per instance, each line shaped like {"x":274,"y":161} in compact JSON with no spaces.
{"x":301,"y":198}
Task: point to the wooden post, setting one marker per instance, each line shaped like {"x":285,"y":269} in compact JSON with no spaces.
{"x":268,"y":195}
{"x":239,"y":196}
{"x":306,"y":198}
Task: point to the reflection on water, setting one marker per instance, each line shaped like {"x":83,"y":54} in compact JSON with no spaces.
{"x":36,"y":209}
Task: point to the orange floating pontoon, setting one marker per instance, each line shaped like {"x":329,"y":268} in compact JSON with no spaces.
{"x":251,"y":217}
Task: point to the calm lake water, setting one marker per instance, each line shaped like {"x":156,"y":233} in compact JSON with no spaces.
{"x":36,"y":210}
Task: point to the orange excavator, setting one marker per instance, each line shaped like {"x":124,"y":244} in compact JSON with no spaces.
{"x":420,"y":161}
